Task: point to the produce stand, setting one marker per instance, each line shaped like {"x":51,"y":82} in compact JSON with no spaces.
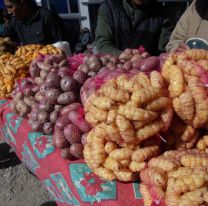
{"x":69,"y":182}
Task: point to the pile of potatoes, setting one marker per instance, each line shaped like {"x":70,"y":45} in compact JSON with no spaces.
{"x":176,"y":178}
{"x":186,"y":75}
{"x":125,"y":113}
{"x":128,"y":60}
{"x":53,"y":88}
{"x":12,"y":68}
{"x":28,"y":51}
{"x":70,"y":131}
{"x":7,"y":46}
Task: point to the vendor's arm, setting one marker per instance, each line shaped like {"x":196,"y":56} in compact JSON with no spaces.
{"x":7,"y":29}
{"x":179,"y":34}
{"x":104,"y":33}
{"x":167,"y":28}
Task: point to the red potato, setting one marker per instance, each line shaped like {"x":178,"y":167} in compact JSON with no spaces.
{"x":104,"y":59}
{"x":72,"y":107}
{"x":127,"y":66}
{"x":54,"y":116}
{"x":66,"y":154}
{"x":45,"y":106}
{"x":44,"y":66}
{"x":35,"y":89}
{"x":29,"y":101}
{"x":43,"y":74}
{"x":62,"y":122}
{"x":28,"y":92}
{"x":84,"y":139}
{"x":63,"y":63}
{"x":145,"y":54}
{"x":51,"y":96}
{"x":77,"y":150}
{"x":72,"y":133}
{"x":59,"y":140}
{"x":80,"y":77}
{"x":64,"y":71}
{"x":92,"y":74}
{"x":66,"y":98}
{"x":40,"y":96}
{"x":114,"y":60}
{"x":39,"y":80}
{"x":58,"y":107}
{"x":95,"y":65}
{"x":149,"y":64}
{"x":136,"y":64}
{"x":48,"y":128}
{"x":136,"y":57}
{"x":79,"y":121}
{"x":53,"y":80}
{"x":110,"y":66}
{"x":68,"y":84}
{"x":84,"y":68}
{"x":43,"y":117}
{"x":44,"y":87}
{"x":34,"y":70}
{"x":17,"y":96}
{"x":36,"y":126}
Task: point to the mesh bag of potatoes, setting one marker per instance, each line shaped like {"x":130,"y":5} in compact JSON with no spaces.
{"x":12,"y":68}
{"x":176,"y":179}
{"x":126,"y":112}
{"x":187,"y":76}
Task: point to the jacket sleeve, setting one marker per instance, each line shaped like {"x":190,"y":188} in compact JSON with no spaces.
{"x":179,"y":34}
{"x":104,"y":33}
{"x":7,"y":29}
{"x":168,"y":26}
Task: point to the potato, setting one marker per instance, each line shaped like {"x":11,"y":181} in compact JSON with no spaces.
{"x":66,"y":98}
{"x":35,"y":89}
{"x":80,"y":77}
{"x":39,"y":80}
{"x":136,"y":57}
{"x":18,"y":96}
{"x":66,"y":154}
{"x":95,"y":65}
{"x":92,"y":74}
{"x":77,"y":150}
{"x":58,"y":107}
{"x":150,"y":63}
{"x":44,"y":66}
{"x":63,"y":63}
{"x":84,"y":139}
{"x":64,"y":71}
{"x":28,"y":92}
{"x":53,"y":79}
{"x":43,"y":117}
{"x":36,"y":126}
{"x":136,"y":64}
{"x":84,"y":68}
{"x":104,"y":59}
{"x":40,"y":96}
{"x":68,"y":84}
{"x":127,"y":66}
{"x":52,"y":95}
{"x":79,"y":121}
{"x":48,"y":128}
{"x":62,"y":122}
{"x":72,"y":107}
{"x":29,"y":101}
{"x":34,"y":70}
{"x":114,"y":60}
{"x":43,"y":74}
{"x":13,"y":107}
{"x":72,"y":133}
{"x":44,"y":87}
{"x":54,"y":116}
{"x":22,"y":108}
{"x":59,"y":140}
{"x":45,"y":106}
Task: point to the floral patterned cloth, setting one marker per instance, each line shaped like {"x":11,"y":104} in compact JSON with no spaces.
{"x":69,"y":182}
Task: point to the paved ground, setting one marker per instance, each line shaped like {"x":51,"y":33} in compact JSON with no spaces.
{"x":18,"y":187}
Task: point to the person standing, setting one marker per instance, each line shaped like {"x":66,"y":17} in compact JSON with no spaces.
{"x":130,"y":23}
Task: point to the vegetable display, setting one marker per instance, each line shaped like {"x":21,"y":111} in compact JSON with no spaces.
{"x":7,"y":46}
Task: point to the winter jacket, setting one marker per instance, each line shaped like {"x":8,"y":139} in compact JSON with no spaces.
{"x":120,"y":26}
{"x":193,"y":23}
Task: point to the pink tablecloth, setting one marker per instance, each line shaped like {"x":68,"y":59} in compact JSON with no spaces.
{"x":69,"y":182}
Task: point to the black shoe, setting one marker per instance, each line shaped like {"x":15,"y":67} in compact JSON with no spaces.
{"x":49,"y":204}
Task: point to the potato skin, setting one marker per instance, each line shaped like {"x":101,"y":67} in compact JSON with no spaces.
{"x":66,"y":98}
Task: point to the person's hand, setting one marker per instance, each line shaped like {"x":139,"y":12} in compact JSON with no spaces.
{"x":182,"y":47}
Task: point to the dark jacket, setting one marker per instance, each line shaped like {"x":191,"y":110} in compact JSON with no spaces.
{"x":120,"y":26}
{"x":44,"y":27}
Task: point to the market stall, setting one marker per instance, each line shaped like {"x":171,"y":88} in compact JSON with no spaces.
{"x":106,"y":130}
